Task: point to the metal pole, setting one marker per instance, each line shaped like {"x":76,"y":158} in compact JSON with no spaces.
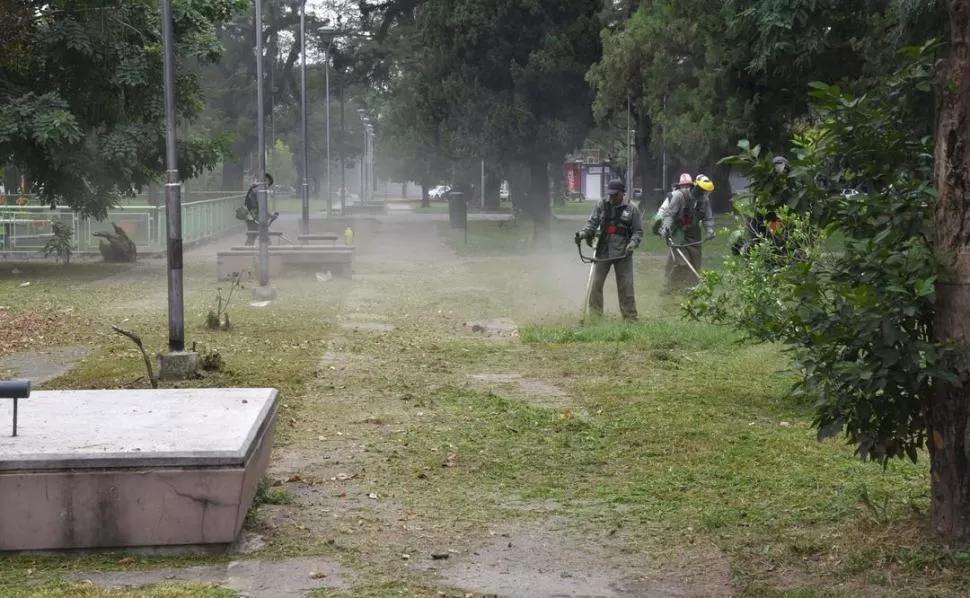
{"x":367,"y":179}
{"x":343,"y":166}
{"x":663,"y":131}
{"x":305,"y":221}
{"x":481,"y":191}
{"x":629,"y":144}
{"x":363,"y":162}
{"x":173,"y":193}
{"x":261,"y":150}
{"x":326,"y":62}
{"x":372,"y":171}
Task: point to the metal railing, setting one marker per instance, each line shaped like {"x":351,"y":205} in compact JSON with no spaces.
{"x":26,"y":229}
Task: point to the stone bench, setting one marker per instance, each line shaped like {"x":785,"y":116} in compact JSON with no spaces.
{"x":337,"y":259}
{"x":318,"y":237}
{"x":110,"y":469}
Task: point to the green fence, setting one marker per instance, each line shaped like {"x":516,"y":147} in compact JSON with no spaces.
{"x":25,"y":229}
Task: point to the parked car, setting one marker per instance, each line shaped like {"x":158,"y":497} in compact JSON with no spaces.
{"x":439,"y":192}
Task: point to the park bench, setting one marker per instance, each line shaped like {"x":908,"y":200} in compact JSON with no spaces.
{"x":15,"y":390}
{"x":337,"y":259}
{"x":332,"y":237}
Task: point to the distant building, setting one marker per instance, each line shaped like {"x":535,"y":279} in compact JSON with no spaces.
{"x":587,"y":173}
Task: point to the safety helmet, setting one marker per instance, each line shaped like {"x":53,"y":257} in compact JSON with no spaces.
{"x":685,"y":180}
{"x":615,"y":186}
{"x":781,"y":164}
{"x":704,"y":182}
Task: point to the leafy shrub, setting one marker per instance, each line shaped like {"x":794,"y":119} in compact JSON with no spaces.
{"x":855,"y":315}
{"x":61,"y":244}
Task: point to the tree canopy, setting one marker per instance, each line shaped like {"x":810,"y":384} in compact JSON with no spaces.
{"x":81,"y":110}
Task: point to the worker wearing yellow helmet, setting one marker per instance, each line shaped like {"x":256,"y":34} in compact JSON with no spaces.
{"x":688,"y":208}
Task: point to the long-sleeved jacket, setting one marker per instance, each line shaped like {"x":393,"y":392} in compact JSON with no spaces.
{"x":618,"y":225}
{"x":684,"y":210}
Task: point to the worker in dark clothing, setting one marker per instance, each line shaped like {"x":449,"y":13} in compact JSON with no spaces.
{"x":620,"y":231}
{"x":249,"y":211}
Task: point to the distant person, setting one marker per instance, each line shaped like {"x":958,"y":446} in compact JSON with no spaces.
{"x":682,"y":216}
{"x":250,"y":210}
{"x":620,"y":233}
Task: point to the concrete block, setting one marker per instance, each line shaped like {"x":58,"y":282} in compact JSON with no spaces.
{"x":135,"y":468}
{"x":267,"y":293}
{"x":179,"y":365}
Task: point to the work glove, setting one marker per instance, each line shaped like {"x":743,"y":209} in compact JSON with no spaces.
{"x":711,"y":233}
{"x":580,"y":236}
{"x":664,"y":232}
{"x":630,"y":247}
{"x":656,"y":226}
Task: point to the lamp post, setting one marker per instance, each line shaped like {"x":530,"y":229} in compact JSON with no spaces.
{"x":331,"y":34}
{"x":371,"y":173}
{"x":173,"y":193}
{"x":305,"y":215}
{"x":263,"y":292}
{"x":363,"y":155}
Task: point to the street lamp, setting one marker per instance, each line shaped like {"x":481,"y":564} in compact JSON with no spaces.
{"x":371,"y":179}
{"x":305,"y":215}
{"x":365,"y":121}
{"x":263,"y":292}
{"x":332,"y":34}
{"x":173,"y":193}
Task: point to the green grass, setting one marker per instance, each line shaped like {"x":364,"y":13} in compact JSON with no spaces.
{"x":573,"y":208}
{"x":671,"y":435}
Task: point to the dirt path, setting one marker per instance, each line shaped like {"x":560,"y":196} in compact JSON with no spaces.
{"x":411,"y":283}
{"x":373,"y":497}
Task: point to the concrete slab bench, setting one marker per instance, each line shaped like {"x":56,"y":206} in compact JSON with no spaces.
{"x":113,"y":469}
{"x":318,"y":237}
{"x":336,"y":259}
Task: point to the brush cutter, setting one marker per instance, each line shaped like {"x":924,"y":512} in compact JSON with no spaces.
{"x":592,"y":261}
{"x":672,"y":247}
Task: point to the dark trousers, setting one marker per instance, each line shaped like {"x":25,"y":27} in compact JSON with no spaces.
{"x":252,"y":232}
{"x":623,"y":271}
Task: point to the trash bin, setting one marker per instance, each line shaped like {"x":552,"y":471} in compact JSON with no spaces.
{"x":457,"y":209}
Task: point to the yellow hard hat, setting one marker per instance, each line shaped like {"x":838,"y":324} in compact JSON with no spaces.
{"x":704,"y":182}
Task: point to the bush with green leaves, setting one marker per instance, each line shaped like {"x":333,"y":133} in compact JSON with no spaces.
{"x":855,"y":308}
{"x":61,"y":244}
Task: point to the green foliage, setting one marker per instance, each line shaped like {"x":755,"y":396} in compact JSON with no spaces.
{"x":61,"y":244}
{"x":857,"y":322}
{"x":82,"y":113}
{"x":500,"y":81}
{"x":279,"y":161}
{"x":706,"y":73}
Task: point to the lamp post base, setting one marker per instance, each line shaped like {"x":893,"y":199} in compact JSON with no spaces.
{"x":177,"y":365}
{"x":266,"y":293}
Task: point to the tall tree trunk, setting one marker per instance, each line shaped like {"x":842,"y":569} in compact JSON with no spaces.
{"x":539,"y":207}
{"x":721,"y":197}
{"x":493,"y":190}
{"x":948,"y":409}
{"x":558,"y":187}
{"x":425,"y":188}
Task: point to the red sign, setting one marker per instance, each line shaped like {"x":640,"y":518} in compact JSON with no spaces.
{"x":573,"y":184}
